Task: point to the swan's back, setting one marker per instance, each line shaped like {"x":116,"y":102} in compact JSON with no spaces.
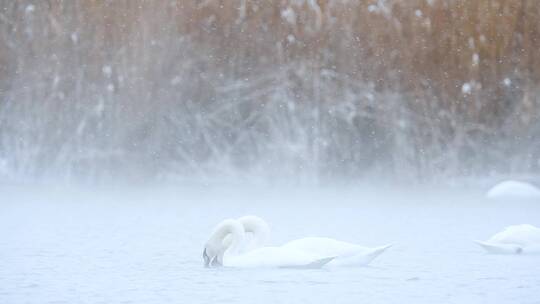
{"x":513,"y":190}
{"x":325,"y":246}
{"x":347,"y":254}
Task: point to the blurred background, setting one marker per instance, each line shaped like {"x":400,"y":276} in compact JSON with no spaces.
{"x":293,"y":91}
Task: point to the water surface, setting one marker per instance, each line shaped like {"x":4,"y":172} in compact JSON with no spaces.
{"x":144,"y":246}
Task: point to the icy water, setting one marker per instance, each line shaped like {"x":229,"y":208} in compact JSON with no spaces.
{"x":59,"y":246}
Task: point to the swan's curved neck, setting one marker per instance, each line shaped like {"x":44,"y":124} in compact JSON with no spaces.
{"x":258,"y":227}
{"x":231,"y":229}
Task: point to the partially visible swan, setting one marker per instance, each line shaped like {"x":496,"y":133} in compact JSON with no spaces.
{"x":218,"y":252}
{"x":512,"y":189}
{"x":346,"y":254}
{"x":515,"y":239}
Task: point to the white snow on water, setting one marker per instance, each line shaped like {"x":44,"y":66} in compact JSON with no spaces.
{"x":59,"y":246}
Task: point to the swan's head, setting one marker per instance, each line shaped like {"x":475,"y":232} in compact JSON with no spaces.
{"x":212,"y":256}
{"x":216,"y":248}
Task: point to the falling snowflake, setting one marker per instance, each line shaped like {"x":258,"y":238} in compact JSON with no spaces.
{"x":475,"y":59}
{"x":30,"y":8}
{"x":466,"y":88}
{"x":107,"y":70}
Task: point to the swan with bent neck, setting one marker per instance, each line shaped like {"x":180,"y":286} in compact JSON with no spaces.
{"x":223,"y":248}
{"x":346,"y":254}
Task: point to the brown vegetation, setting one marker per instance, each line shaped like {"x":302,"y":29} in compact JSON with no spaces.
{"x":305,"y":89}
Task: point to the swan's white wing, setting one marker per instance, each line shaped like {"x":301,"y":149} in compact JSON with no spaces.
{"x":272,"y":257}
{"x":313,"y":265}
{"x":347,"y":254}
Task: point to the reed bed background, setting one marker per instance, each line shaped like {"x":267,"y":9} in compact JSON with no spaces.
{"x":299,"y":91}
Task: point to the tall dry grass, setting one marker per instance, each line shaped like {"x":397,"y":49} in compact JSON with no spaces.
{"x":302,"y":89}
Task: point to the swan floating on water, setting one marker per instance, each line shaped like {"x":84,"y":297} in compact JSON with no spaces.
{"x":225,"y":248}
{"x":343,"y":253}
{"x":515,"y":239}
{"x":512,"y":189}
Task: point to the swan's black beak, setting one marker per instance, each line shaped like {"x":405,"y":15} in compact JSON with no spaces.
{"x":206,"y":258}
{"x":211,"y":261}
{"x":215,"y":262}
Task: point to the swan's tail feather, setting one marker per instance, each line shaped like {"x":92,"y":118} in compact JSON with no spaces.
{"x":363,"y":258}
{"x":313,"y":265}
{"x":383,"y":248}
{"x":376,"y":252}
{"x":500,"y":248}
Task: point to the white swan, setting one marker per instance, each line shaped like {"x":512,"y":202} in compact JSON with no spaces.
{"x":512,"y":189}
{"x":515,"y":239}
{"x":218,"y":252}
{"x":346,"y":254}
